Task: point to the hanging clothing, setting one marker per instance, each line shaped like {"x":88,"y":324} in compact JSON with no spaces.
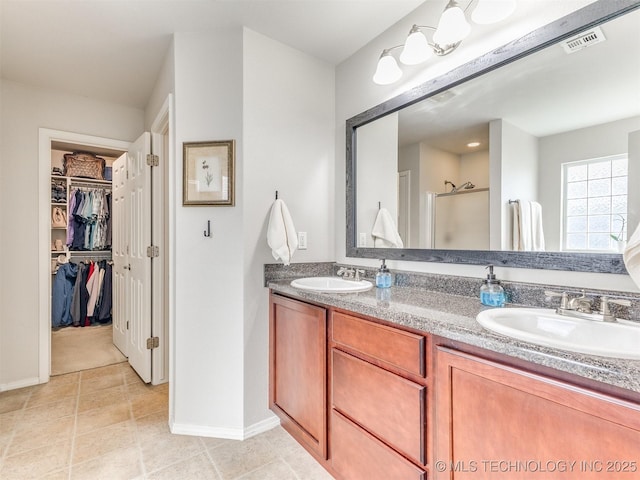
{"x":104,"y":312}
{"x":63,"y":294}
{"x":90,"y":224}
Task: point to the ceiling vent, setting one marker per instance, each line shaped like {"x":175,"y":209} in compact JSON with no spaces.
{"x":584,"y":40}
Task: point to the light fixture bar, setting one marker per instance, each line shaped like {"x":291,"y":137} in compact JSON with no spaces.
{"x":452,"y":28}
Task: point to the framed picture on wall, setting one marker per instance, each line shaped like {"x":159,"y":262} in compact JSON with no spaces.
{"x":208,"y":173}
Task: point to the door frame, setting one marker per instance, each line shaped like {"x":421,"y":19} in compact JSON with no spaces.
{"x":163,"y":208}
{"x":45,"y":137}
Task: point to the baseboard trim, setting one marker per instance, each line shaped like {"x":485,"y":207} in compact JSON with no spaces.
{"x":228,"y":433}
{"x":27,"y":382}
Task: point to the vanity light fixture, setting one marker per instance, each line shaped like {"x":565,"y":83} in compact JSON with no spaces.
{"x":473,"y":144}
{"x":451,"y":30}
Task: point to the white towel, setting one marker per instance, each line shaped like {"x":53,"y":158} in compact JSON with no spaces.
{"x":384,"y":232}
{"x":631,"y":256}
{"x":281,"y":234}
{"x":527,"y":233}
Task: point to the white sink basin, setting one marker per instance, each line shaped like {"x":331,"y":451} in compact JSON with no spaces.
{"x":331,"y":285}
{"x":545,"y":327}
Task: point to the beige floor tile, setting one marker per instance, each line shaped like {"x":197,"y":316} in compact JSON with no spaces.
{"x":103,"y":417}
{"x":131,"y":377}
{"x":142,"y":405}
{"x":8,"y":421}
{"x":102,"y":441}
{"x":238,"y":458}
{"x":198,"y":467}
{"x":152,"y":425}
{"x":114,"y":369}
{"x":36,"y":463}
{"x":306,"y":467}
{"x":10,"y":401}
{"x":55,"y":431}
{"x":66,"y":378}
{"x":139,"y":388}
{"x":123,"y":463}
{"x":52,"y":392}
{"x":280,"y":440}
{"x":48,"y":411}
{"x":210,"y":442}
{"x":102,"y":398}
{"x":277,"y":470}
{"x":161,"y":451}
{"x":101,"y":382}
{"x":57,"y":475}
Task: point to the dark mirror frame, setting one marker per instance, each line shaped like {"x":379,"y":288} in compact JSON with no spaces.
{"x":587,"y":17}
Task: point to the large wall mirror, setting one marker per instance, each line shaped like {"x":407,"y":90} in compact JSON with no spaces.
{"x":527,"y":157}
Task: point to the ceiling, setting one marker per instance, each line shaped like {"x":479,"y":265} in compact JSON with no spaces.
{"x":113,"y":50}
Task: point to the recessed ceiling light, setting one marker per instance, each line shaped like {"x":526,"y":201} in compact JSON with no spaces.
{"x":473,"y":144}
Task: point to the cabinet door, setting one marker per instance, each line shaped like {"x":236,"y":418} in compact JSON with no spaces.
{"x":298,"y":370}
{"x":497,"y":422}
{"x":357,"y":455}
{"x":387,"y":405}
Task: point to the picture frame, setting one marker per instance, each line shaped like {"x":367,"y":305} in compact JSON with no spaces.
{"x":208,"y":173}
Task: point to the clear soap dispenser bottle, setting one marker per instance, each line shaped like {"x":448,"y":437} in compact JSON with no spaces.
{"x":383,"y":277}
{"x":491,"y":292}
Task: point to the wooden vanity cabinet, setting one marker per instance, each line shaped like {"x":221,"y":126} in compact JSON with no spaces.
{"x":496,"y":421}
{"x":375,"y":402}
{"x":298,"y":359}
{"x":379,"y":408}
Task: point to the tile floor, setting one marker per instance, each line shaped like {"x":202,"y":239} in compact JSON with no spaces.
{"x":106,"y":424}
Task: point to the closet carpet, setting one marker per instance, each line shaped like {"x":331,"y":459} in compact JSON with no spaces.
{"x":82,"y":348}
{"x":106,"y":424}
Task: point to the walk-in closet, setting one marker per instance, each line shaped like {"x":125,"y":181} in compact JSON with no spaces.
{"x":82,"y":219}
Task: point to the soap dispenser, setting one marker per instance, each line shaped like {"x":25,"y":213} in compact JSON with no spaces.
{"x":491,"y":292}
{"x":383,"y":277}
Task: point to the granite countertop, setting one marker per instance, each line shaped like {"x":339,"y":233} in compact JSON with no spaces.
{"x":453,"y":317}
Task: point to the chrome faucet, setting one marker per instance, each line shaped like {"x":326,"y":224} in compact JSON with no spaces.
{"x":607,"y":316}
{"x":345,"y":272}
{"x":582,"y":306}
{"x":350,"y":273}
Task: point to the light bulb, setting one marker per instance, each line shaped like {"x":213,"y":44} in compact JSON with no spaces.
{"x":416,"y":49}
{"x":452,"y":27}
{"x":492,"y":11}
{"x":388,"y":70}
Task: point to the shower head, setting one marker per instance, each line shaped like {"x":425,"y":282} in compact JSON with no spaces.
{"x":465,"y":186}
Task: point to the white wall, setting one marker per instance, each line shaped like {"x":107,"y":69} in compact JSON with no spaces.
{"x":24,"y":110}
{"x":586,"y":143}
{"x":355,"y":93}
{"x":208,"y":343}
{"x":377,"y":179}
{"x":288,"y":131}
{"x":165,"y":84}
{"x":517,"y":154}
{"x":277,"y":103}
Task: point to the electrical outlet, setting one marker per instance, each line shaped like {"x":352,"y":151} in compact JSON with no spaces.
{"x":302,"y":240}
{"x":362,"y":239}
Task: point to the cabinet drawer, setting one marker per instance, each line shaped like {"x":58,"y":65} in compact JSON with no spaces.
{"x":401,"y":349}
{"x":357,"y":455}
{"x":387,"y":405}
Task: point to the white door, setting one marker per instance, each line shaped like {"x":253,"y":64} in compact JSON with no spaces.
{"x":138,"y":290}
{"x":119,"y":237}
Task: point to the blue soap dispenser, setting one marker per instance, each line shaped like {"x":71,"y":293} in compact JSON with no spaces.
{"x":491,"y":292}
{"x":383,"y":277}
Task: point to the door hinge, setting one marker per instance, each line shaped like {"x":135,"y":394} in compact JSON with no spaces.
{"x":153,"y":342}
{"x":153,"y":160}
{"x":127,"y":324}
{"x":153,"y":251}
